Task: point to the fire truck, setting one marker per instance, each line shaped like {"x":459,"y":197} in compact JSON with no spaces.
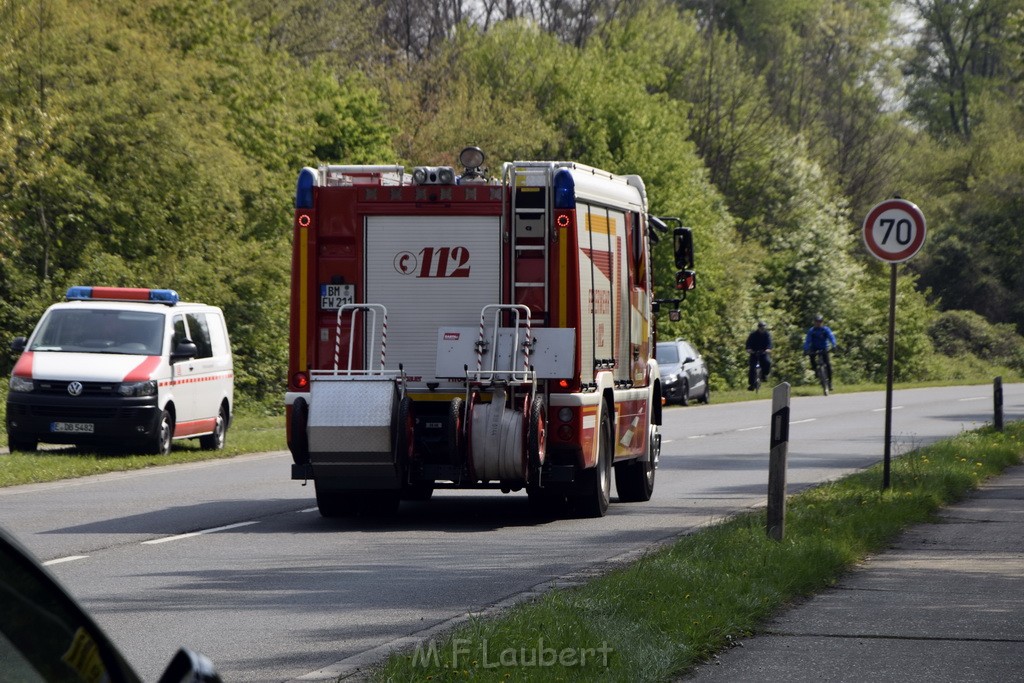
{"x":456,"y":330}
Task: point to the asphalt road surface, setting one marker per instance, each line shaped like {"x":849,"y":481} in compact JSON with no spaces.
{"x":230,"y":557}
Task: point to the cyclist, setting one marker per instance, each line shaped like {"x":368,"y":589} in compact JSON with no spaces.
{"x":820,"y":339}
{"x":759,"y":348}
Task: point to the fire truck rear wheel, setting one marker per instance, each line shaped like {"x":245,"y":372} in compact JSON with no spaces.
{"x":634,"y":480}
{"x":547,"y":502}
{"x":596,"y":490}
{"x":417,"y":492}
{"x":334,"y":502}
{"x":298,"y":439}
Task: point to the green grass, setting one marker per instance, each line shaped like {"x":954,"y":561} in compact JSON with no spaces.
{"x":679,"y":605}
{"x":248,"y":434}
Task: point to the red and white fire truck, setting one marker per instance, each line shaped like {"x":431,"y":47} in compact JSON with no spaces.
{"x":460,"y":331}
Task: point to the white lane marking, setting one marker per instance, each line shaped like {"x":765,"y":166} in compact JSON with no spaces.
{"x":973,"y":398}
{"x":697,"y":436}
{"x":198,"y":533}
{"x":881,"y":410}
{"x":69,"y":558}
{"x":310,"y":510}
{"x":750,"y":429}
{"x":800,"y":422}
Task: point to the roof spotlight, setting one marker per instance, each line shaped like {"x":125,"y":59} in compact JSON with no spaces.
{"x":471,"y":158}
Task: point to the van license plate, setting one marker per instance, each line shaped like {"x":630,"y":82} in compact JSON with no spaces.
{"x":73,"y":427}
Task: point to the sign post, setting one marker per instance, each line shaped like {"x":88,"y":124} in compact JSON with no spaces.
{"x":894,"y":231}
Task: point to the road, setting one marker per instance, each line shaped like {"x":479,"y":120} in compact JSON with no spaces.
{"x":231,"y":558}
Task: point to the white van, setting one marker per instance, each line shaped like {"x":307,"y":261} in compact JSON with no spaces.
{"x":124,"y":367}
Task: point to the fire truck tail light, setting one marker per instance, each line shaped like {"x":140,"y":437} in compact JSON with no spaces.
{"x":300,"y":380}
{"x":565,"y":190}
{"x":304,"y":188}
{"x":158,"y":296}
{"x":565,"y":414}
{"x":563,"y":219}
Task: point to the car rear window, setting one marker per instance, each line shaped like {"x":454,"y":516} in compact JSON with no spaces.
{"x":667,"y":353}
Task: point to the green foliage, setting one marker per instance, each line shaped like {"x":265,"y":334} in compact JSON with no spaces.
{"x":156,"y":142}
{"x":965,"y":333}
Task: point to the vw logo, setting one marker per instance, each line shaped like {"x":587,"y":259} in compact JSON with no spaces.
{"x":75,"y":388}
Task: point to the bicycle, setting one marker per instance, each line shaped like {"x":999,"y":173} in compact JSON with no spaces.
{"x":758,"y":374}
{"x":821,"y":369}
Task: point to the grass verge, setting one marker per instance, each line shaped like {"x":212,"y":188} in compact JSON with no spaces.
{"x":248,"y":434}
{"x":679,"y":605}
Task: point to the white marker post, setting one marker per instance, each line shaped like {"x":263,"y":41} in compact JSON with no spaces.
{"x":776,"y":524}
{"x":893,"y":232}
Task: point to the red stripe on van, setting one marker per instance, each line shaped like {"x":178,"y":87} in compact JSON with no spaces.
{"x":23,"y":368}
{"x":143,"y":370}
{"x":194,"y":427}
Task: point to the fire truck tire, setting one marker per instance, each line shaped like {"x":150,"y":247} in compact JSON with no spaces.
{"x":335,"y":502}
{"x":536,"y":434}
{"x":547,"y":502}
{"x":596,"y":483}
{"x":634,"y":480}
{"x":160,"y":444}
{"x":215,"y":441}
{"x":418,"y":492}
{"x":298,"y":439}
{"x":455,"y":432}
{"x":350,"y":502}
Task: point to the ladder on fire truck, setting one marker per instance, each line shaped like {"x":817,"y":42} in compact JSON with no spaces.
{"x":529,"y":207}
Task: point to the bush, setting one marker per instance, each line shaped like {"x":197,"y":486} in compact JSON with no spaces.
{"x":965,"y":333}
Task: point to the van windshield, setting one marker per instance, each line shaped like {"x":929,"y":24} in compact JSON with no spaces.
{"x":100,"y":331}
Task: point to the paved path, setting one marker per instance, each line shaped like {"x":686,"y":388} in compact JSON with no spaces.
{"x":945,"y":603}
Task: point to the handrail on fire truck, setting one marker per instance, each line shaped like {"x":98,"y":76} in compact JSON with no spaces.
{"x":520,"y":317}
{"x":348,"y":372}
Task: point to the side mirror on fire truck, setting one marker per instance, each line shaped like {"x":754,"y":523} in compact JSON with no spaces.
{"x":686,"y":280}
{"x":682,"y":240}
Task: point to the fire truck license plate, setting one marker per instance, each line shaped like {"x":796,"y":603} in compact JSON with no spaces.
{"x":333,"y":297}
{"x":75,"y":427}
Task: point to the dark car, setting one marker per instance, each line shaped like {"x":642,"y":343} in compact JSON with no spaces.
{"x":45,"y":635}
{"x":684,"y":375}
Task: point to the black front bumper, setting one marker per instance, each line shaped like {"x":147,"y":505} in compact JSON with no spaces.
{"x":115,"y":420}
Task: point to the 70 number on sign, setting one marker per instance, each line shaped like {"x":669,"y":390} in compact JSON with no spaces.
{"x":894,"y":230}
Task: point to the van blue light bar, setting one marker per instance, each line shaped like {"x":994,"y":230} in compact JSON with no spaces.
{"x":156,"y":296}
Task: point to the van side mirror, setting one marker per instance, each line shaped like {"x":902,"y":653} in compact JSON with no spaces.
{"x":185,"y":349}
{"x":18,"y":344}
{"x":190,"y":666}
{"x":682,"y":241}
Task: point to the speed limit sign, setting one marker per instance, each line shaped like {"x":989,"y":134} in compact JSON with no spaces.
{"x":894,"y":230}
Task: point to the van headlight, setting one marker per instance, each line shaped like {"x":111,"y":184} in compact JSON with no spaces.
{"x":21,"y":384}
{"x":147,"y":388}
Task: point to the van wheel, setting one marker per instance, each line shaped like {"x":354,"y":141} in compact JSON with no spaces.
{"x":18,"y":444}
{"x":161,"y":444}
{"x":215,"y":441}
